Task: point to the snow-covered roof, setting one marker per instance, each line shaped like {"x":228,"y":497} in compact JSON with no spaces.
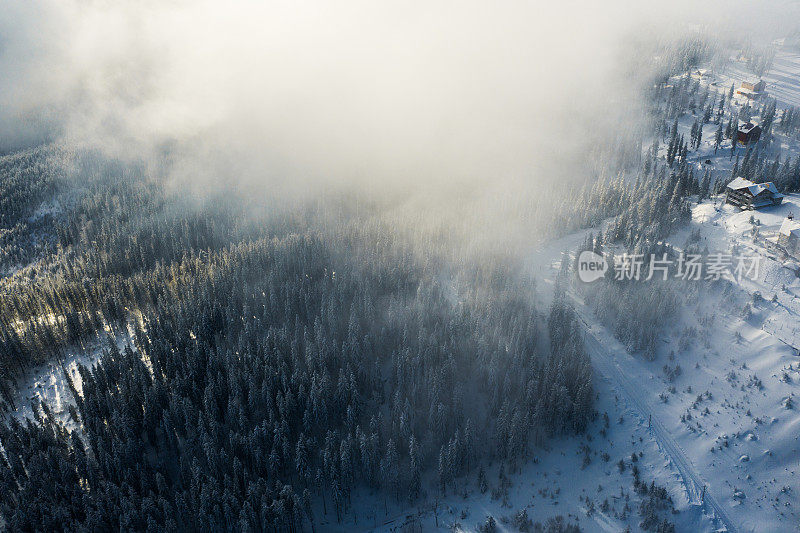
{"x":790,"y":227}
{"x":754,"y":188}
{"x":771,"y":186}
{"x":747,"y":126}
{"x":740,"y":183}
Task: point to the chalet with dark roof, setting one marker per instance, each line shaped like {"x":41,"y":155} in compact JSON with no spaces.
{"x":748,"y":133}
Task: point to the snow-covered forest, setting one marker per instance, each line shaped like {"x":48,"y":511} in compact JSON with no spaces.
{"x":318,"y":270}
{"x":264,"y":369}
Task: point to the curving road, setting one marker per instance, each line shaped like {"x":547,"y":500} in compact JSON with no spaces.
{"x":606,"y":364}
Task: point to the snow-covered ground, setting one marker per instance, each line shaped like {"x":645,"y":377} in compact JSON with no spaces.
{"x":728,"y":409}
{"x":783,"y":82}
{"x":727,"y":421}
{"x":48,"y":383}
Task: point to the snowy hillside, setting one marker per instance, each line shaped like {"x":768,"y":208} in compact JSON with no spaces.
{"x":738,"y":346}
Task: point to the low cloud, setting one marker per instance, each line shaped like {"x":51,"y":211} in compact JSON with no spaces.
{"x":298,"y":94}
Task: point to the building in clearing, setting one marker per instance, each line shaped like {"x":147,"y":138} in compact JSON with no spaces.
{"x":745,"y":194}
{"x":748,"y":133}
{"x":789,"y":236}
{"x":752,"y":89}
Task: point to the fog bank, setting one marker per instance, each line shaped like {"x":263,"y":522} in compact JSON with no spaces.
{"x":322,"y":93}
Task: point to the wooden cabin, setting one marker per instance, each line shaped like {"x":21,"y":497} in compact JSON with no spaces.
{"x":748,"y":133}
{"x":745,"y":194}
{"x":755,"y":86}
{"x":752,"y":89}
